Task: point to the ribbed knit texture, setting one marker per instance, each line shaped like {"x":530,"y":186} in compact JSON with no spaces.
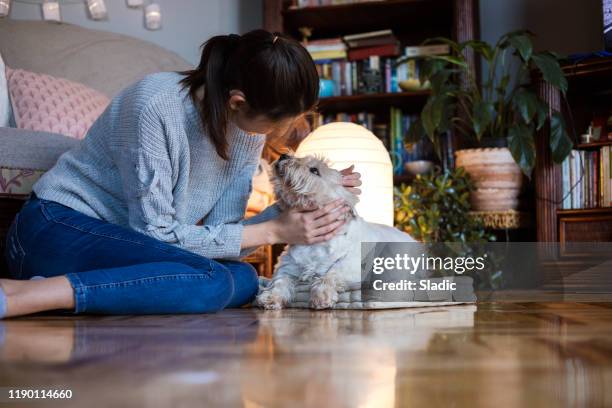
{"x":146,"y":163}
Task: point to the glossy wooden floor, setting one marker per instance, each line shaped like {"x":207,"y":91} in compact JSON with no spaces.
{"x":493,"y":354}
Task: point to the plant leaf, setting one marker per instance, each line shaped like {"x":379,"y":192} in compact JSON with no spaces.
{"x":551,"y":70}
{"x":482,"y":116}
{"x":560,"y":143}
{"x":522,"y":146}
{"x":522,"y":43}
{"x":542,"y":113}
{"x":481,"y":47}
{"x":526,"y":103}
{"x":431,"y":116}
{"x":460,"y":61}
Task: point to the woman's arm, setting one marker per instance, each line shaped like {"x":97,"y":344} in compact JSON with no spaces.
{"x":147,"y":176}
{"x":297,"y":227}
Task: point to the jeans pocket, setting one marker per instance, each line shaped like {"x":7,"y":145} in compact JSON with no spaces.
{"x":14,"y":252}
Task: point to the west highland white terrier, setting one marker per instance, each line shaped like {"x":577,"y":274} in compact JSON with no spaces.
{"x":328,"y":266}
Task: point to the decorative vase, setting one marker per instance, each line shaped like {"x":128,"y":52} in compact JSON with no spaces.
{"x":496,"y":176}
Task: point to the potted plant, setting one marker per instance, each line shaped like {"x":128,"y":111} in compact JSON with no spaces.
{"x":500,"y":114}
{"x":435,"y":209}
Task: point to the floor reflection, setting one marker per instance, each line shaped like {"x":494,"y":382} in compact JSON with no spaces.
{"x":497,"y":353}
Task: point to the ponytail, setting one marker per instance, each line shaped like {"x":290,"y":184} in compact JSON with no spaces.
{"x":276,"y":74}
{"x":213,"y":109}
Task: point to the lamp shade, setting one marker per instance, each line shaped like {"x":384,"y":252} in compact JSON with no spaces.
{"x":346,"y":143}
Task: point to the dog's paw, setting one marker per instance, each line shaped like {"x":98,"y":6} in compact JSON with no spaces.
{"x":322,"y":296}
{"x":270,"y":301}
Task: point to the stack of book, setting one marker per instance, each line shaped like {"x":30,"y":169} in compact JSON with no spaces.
{"x":367,"y":63}
{"x":587,"y":179}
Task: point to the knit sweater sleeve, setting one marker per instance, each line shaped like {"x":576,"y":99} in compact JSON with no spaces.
{"x":147,"y":177}
{"x":231,"y":206}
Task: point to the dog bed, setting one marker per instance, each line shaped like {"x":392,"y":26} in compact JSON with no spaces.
{"x":351,"y":298}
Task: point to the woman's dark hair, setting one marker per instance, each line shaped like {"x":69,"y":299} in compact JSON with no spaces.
{"x":276,"y":75}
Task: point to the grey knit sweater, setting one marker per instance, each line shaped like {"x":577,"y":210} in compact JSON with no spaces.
{"x":146,"y":163}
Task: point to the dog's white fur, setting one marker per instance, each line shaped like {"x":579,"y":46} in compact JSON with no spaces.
{"x":329,"y":265}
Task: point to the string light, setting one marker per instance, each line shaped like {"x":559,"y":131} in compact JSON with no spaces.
{"x":153,"y":16}
{"x":51,"y":11}
{"x":134,"y":3}
{"x":97,"y":9}
{"x":5,"y":7}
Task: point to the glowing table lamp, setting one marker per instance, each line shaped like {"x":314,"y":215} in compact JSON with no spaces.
{"x":346,"y":143}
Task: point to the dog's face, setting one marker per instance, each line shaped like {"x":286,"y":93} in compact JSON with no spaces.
{"x":301,"y":182}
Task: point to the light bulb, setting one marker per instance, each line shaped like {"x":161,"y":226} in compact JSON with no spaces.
{"x":97,"y":9}
{"x":134,"y":3}
{"x":5,"y":7}
{"x":153,"y":16}
{"x":51,"y":11}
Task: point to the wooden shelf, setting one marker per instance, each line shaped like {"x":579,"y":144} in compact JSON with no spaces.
{"x":372,"y":102}
{"x":343,"y":19}
{"x":594,"y":145}
{"x":585,"y":211}
{"x":591,"y":76}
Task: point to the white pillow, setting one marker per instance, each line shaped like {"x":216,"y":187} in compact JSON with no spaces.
{"x":5,"y":104}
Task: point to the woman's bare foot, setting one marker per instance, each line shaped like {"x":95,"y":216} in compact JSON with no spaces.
{"x":31,"y":296}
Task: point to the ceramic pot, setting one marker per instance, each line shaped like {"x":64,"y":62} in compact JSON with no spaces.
{"x":497,"y":177}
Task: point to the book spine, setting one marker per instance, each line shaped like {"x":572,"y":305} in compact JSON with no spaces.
{"x":565,"y":177}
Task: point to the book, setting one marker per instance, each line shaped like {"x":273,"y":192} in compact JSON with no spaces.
{"x":327,"y":44}
{"x":587,"y":179}
{"x":386,"y":50}
{"x":425,"y":50}
{"x":328,"y":55}
{"x":370,"y":39}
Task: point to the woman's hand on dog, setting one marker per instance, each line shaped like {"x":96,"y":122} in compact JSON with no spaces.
{"x":351,"y":180}
{"x":311,"y":225}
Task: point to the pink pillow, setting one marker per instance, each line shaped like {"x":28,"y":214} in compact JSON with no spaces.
{"x":45,"y":103}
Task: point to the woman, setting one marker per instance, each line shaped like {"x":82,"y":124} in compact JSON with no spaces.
{"x":112,"y":227}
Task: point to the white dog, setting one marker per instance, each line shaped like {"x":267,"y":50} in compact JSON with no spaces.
{"x":330,"y":265}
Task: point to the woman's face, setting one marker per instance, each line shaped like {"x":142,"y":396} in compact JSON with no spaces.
{"x":260,"y":124}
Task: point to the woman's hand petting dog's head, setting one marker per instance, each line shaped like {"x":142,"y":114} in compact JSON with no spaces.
{"x":308,"y":182}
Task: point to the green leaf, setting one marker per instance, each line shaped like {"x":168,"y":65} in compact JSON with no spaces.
{"x":504,"y":40}
{"x":481,"y":47}
{"x":551,"y":70}
{"x":430,"y":68}
{"x":526,"y":103}
{"x":522,"y":146}
{"x":482,"y":116}
{"x":431,"y":115}
{"x":460,"y":61}
{"x":542,"y":112}
{"x":522,"y":43}
{"x":560,"y":143}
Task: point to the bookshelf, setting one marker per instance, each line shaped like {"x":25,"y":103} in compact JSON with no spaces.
{"x":412,"y":101}
{"x":412,"y":21}
{"x":590,"y":90}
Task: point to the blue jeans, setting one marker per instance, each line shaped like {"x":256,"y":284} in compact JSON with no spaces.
{"x":116,"y":270}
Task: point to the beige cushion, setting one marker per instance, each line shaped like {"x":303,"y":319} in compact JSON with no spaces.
{"x":104,"y":61}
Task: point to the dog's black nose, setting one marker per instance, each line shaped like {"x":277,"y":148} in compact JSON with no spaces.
{"x":283,"y":156}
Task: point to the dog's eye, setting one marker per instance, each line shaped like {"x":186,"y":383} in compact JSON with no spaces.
{"x":314,"y":170}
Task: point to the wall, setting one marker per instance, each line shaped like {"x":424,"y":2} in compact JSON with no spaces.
{"x":564,"y":26}
{"x":186,"y":24}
